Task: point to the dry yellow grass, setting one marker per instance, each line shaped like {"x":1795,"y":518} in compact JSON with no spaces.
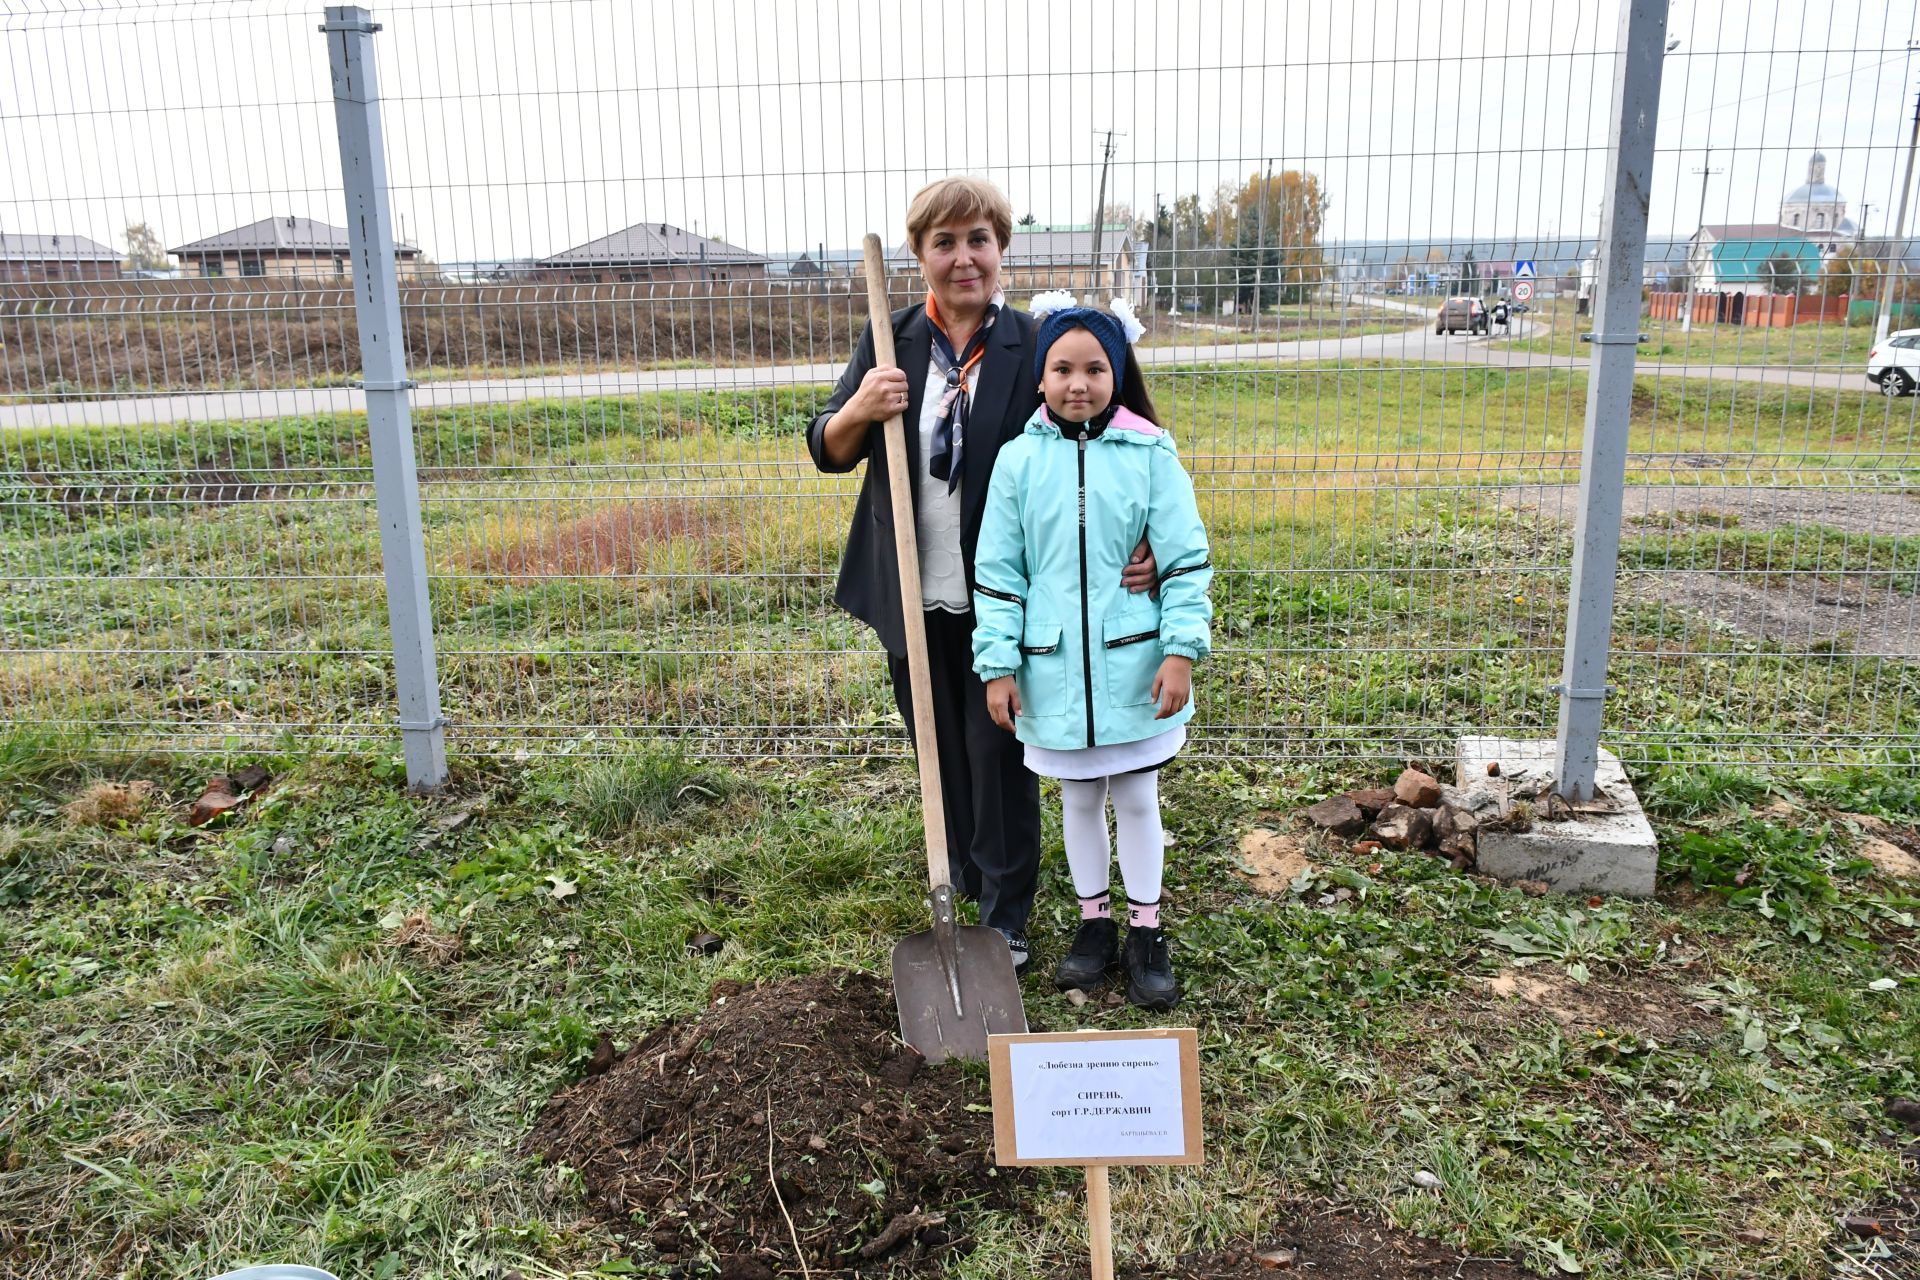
{"x":105,"y":804}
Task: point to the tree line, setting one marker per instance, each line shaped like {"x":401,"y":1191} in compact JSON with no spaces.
{"x":1256,"y":242}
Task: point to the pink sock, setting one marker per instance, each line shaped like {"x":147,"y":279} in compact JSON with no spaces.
{"x":1097,"y":908}
{"x":1143,"y":915}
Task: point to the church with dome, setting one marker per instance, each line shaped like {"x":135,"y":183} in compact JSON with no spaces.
{"x":1813,"y":226}
{"x":1817,"y":210}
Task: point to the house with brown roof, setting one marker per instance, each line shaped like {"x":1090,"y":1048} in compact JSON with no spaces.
{"x":650,"y":252}
{"x":25,"y":256}
{"x":284,"y":248}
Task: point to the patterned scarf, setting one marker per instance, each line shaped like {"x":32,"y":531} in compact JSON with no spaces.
{"x":950,"y":428}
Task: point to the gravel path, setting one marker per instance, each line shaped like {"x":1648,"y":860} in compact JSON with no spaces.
{"x":1889,"y":513}
{"x":1853,"y":613}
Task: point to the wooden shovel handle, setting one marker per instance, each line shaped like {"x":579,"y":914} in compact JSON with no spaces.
{"x":906,"y":543}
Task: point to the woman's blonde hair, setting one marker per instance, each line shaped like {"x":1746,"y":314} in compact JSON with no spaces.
{"x":956,"y":200}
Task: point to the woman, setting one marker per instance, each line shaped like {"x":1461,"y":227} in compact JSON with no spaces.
{"x":964,"y":385}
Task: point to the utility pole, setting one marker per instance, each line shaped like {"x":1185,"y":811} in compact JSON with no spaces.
{"x":1859,"y":247}
{"x":1705,"y":172}
{"x":1099,"y":211}
{"x":1153,"y":248}
{"x":1897,"y":255}
{"x":1260,"y":237}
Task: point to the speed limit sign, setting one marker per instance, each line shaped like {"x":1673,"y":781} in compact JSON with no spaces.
{"x":1523,"y":290}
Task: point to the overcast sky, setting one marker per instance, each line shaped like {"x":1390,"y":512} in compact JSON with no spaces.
{"x":518,"y":129}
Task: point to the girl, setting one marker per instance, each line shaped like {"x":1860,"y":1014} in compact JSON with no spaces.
{"x":1097,"y":683}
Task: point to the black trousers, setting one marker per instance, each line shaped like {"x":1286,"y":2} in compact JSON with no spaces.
{"x":991,"y":798}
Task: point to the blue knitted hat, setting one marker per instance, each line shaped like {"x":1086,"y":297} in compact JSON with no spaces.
{"x":1108,"y":329}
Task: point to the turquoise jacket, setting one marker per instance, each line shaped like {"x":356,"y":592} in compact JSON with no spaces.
{"x":1063,"y":516}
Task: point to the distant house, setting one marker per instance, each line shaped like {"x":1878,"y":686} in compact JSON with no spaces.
{"x":650,"y":252}
{"x":1042,"y":257}
{"x":287,"y":248}
{"x":24,"y":256}
{"x":1746,"y":257}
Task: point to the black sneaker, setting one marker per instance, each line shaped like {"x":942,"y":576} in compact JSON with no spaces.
{"x":1017,"y":944}
{"x":1096,"y":949}
{"x":1150,"y":980}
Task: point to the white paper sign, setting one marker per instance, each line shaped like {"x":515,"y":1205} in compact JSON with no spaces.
{"x":1106,"y":1100}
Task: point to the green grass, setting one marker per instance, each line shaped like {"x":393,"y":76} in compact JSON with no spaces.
{"x":1806,"y":346}
{"x":606,"y":569}
{"x":210,"y":1053}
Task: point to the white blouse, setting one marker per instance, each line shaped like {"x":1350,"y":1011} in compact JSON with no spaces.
{"x":943,"y":574}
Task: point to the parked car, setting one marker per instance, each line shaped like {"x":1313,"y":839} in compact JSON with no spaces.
{"x":1459,"y":313}
{"x":1894,"y":363}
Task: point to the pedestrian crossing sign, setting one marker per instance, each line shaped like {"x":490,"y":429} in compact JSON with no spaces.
{"x":1523,"y":269}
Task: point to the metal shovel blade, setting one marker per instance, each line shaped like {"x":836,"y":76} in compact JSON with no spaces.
{"x":954,"y":986}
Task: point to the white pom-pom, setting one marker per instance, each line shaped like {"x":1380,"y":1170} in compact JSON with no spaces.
{"x":1052,"y":300}
{"x":1129,"y":322}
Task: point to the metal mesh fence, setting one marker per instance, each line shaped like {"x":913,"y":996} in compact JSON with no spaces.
{"x":1364,"y":238}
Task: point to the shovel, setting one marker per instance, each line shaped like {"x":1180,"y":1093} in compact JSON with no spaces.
{"x":954,"y":984}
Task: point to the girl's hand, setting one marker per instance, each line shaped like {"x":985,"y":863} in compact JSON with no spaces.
{"x":882,"y":393}
{"x":1003,"y":701}
{"x":1142,"y":570}
{"x":1172,"y":686}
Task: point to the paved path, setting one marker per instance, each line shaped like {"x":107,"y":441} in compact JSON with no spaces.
{"x":1415,"y":345}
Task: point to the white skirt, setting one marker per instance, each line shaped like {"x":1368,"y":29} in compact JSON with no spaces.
{"x":1082,"y":763}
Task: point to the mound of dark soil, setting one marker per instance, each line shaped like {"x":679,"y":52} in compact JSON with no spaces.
{"x":875,"y":1161}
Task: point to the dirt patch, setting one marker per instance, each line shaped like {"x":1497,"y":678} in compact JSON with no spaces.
{"x":1271,"y":859}
{"x":876,"y":1163}
{"x":1336,"y":1244}
{"x":1890,"y":858}
{"x":1891,"y":849}
{"x":191,"y":335}
{"x":1803,"y":613}
{"x":1642,"y":1005}
{"x":620,"y":539}
{"x":1847,"y":510}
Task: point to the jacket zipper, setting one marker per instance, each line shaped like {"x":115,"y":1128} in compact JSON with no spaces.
{"x":1086,"y":627}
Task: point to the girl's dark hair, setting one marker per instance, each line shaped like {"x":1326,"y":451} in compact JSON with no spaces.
{"x":1133,"y":391}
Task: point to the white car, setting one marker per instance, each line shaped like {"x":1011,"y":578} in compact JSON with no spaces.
{"x":1894,"y":363}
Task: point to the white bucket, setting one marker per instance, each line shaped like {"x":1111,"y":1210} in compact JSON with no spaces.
{"x":278,"y":1271}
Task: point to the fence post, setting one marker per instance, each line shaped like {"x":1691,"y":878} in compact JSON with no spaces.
{"x":1603,"y":456}
{"x":383,"y":361}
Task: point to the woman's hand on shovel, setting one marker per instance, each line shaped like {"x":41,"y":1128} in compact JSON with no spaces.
{"x":1003,"y":701}
{"x":882,"y":393}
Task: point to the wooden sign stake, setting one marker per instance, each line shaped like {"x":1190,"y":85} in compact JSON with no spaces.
{"x":1099,"y":1222}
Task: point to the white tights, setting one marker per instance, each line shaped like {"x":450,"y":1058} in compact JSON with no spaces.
{"x":1136,"y":813}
